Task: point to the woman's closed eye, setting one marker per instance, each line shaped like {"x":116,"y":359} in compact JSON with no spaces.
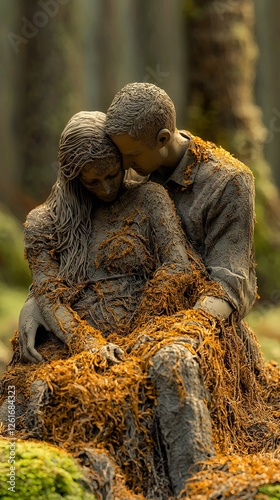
{"x":86,"y":182}
{"x":112,"y":176}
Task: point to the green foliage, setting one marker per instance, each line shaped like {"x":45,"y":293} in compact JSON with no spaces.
{"x":264,"y":322}
{"x":267,"y":235}
{"x":15,"y":279}
{"x":268,"y":266}
{"x":42,"y":472}
{"x":12,"y":300}
{"x":13,"y":267}
{"x":271,"y":490}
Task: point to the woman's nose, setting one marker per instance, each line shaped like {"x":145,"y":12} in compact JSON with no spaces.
{"x":107,"y":187}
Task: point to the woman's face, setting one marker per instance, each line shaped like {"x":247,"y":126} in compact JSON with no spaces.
{"x":103,"y":177}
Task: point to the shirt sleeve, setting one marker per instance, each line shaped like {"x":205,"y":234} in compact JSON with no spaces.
{"x":166,"y":291}
{"x":168,"y":240}
{"x":229,"y":246}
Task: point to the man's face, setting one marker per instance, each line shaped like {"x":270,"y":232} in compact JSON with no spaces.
{"x":143,"y":159}
{"x":103,"y":178}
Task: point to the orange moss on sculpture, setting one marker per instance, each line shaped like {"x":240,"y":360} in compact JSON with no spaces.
{"x":81,"y":398}
{"x":205,"y":151}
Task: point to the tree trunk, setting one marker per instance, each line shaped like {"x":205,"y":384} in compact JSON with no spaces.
{"x":8,"y":90}
{"x":48,"y":66}
{"x":268,"y":77}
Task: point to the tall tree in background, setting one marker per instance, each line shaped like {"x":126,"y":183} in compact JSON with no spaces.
{"x":268,"y":77}
{"x":48,"y":92}
{"x":161,"y":41}
{"x":7,"y":101}
{"x":222,"y":109}
{"x":134,"y":41}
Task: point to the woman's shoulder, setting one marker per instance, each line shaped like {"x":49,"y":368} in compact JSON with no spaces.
{"x":38,"y":217}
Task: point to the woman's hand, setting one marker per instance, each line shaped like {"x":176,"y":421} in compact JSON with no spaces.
{"x":111,"y":352}
{"x":30,"y":318}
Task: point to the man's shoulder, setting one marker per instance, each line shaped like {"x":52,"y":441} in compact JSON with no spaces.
{"x":205,"y":162}
{"x":215,"y":158}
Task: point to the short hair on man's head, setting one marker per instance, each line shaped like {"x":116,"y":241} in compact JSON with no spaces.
{"x":141,"y":110}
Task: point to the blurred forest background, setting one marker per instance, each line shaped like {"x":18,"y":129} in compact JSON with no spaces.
{"x":217,"y":59}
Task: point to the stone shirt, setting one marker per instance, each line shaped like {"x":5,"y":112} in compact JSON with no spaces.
{"x":215,"y":197}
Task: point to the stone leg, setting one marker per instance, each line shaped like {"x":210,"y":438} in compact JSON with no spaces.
{"x":182,"y":412}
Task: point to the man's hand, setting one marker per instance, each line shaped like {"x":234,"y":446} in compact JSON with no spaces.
{"x":219,"y":308}
{"x":30,"y":318}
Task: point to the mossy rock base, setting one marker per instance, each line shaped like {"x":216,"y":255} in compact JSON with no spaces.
{"x":33,"y":471}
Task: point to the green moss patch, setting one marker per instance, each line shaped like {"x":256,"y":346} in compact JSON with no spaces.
{"x":34,"y":471}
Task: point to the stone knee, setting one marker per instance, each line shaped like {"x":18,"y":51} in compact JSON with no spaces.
{"x":173,"y":363}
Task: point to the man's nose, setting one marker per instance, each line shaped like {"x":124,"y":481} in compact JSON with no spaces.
{"x":127,"y":162}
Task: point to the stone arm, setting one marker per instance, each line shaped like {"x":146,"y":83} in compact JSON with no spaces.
{"x":166,"y":234}
{"x":48,"y":291}
{"x":165,"y":292}
{"x":44,"y":307}
{"x":49,"y":303}
{"x":229,"y":247}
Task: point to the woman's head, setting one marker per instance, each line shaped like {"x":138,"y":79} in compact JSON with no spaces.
{"x":88,"y":156}
{"x":89,"y":164}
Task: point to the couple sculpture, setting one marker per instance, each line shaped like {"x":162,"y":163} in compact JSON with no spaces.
{"x":132,"y":340}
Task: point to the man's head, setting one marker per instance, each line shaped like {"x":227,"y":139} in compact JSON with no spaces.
{"x":141,"y":120}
